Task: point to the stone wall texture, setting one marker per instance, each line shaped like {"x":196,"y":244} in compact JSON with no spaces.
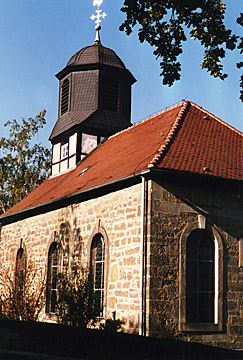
{"x":173,"y":208}
{"x":170,"y":207}
{"x":118,"y":216}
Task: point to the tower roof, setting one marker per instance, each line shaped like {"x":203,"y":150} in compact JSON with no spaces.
{"x":93,"y":56}
{"x":96,"y":54}
{"x":85,"y":90}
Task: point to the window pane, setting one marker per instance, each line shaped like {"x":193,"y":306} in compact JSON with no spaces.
{"x":206,"y":249}
{"x":191,"y":309}
{"x":99,"y":251}
{"x":200,"y":277}
{"x":64,"y":151}
{"x":65,"y":260}
{"x":53,"y":301}
{"x":53,"y":261}
{"x":191,"y":275}
{"x":54,"y":278}
{"x":98,"y":275}
{"x":98,"y":262}
{"x":206,"y":308}
{"x":192,"y":247}
{"x":20,"y":271}
{"x":206,"y":276}
{"x":89,"y":142}
{"x":98,"y":303}
{"x":55,"y":257}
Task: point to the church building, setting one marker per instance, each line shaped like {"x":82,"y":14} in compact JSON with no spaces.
{"x":156,"y":208}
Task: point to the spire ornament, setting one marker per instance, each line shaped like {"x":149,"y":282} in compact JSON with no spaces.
{"x":97,"y":19}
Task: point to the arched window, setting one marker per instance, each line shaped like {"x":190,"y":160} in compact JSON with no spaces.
{"x":20,"y":271}
{"x":98,"y":268}
{"x":200,"y":277}
{"x":64,"y":237}
{"x":52,"y":272}
{"x":64,"y":96}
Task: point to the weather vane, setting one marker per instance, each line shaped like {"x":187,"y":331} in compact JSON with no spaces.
{"x":97,"y":18}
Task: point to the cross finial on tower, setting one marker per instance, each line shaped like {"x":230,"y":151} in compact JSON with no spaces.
{"x":97,"y":19}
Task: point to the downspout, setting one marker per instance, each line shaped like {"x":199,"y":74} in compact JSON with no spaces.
{"x":142,"y":262}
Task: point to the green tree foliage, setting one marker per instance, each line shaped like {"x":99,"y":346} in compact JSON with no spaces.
{"x":75,"y":305}
{"x":164,"y":24}
{"x":23,"y":166}
{"x":22,"y":294}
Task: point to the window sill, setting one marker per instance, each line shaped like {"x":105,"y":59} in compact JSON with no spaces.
{"x":51,"y":316}
{"x":201,"y":327}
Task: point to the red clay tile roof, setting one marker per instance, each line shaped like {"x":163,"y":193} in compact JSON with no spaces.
{"x":184,"y":138}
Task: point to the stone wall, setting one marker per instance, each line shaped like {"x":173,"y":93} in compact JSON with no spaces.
{"x":168,"y":222}
{"x":117,"y":215}
{"x":173,"y":208}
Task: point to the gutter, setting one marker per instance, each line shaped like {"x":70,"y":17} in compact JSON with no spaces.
{"x":143,"y":259}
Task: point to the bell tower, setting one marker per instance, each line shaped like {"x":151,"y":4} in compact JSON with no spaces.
{"x":94,"y":102}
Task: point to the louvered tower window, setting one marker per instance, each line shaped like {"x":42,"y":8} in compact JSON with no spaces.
{"x":110,"y":95}
{"x":65,"y":96}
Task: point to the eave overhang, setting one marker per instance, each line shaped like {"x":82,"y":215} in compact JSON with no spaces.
{"x":184,"y":178}
{"x":96,"y":66}
{"x":74,"y":198}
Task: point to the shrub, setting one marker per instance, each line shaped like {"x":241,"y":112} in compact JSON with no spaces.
{"x":112,"y":324}
{"x":22,"y":295}
{"x":75,"y":304}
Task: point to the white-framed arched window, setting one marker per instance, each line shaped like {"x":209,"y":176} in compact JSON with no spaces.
{"x":98,"y":271}
{"x":53,"y":269}
{"x":201,"y":279}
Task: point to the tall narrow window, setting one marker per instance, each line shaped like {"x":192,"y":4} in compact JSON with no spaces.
{"x":52,"y":272}
{"x":20,"y":271}
{"x":200,"y":277}
{"x":64,"y":96}
{"x":98,"y":266}
{"x":64,"y":237}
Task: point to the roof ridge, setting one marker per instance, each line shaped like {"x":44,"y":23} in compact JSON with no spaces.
{"x":171,"y":134}
{"x":217,"y":118}
{"x":147,"y":119}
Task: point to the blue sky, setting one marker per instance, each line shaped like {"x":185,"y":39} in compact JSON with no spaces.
{"x":38,"y":38}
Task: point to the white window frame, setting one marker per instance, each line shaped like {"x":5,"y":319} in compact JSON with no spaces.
{"x":217,"y":326}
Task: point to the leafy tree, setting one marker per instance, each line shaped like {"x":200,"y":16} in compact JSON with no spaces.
{"x":75,"y":305}
{"x":23,"y":166}
{"x":22,"y":294}
{"x":163,"y":25}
